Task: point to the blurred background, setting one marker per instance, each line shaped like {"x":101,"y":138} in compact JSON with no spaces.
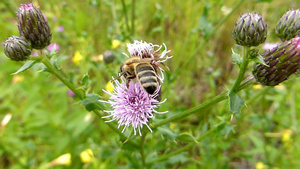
{"x":42,"y":123}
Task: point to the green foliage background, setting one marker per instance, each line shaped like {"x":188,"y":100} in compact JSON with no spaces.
{"x":46,"y":122}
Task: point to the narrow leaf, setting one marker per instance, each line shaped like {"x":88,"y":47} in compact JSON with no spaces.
{"x":26,"y":66}
{"x":235,"y":102}
{"x":167,"y":133}
{"x":91,"y":102}
{"x":186,"y":138}
{"x":85,"y":81}
{"x":259,"y":59}
{"x":236,"y":58}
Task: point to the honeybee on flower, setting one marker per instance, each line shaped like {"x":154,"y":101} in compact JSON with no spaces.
{"x":134,"y":102}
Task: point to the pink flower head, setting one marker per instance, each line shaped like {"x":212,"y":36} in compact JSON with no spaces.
{"x":147,"y":50}
{"x":71,"y":93}
{"x":60,"y":29}
{"x":132,"y":106}
{"x":52,"y":45}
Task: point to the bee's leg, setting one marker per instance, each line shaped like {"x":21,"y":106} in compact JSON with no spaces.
{"x":127,"y":82}
{"x":123,"y":73}
{"x":128,"y":79}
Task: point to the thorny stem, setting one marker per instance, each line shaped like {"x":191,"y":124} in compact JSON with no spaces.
{"x":242,"y":71}
{"x":45,"y":60}
{"x":203,"y":106}
{"x":188,"y":146}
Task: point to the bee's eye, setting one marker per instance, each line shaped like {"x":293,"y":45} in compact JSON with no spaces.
{"x":121,"y":68}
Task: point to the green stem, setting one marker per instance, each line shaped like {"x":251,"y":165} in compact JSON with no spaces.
{"x":10,"y":153}
{"x":45,"y":60}
{"x":132,"y":16}
{"x":125,"y":15}
{"x":186,"y":147}
{"x":242,"y":71}
{"x":203,"y":42}
{"x":10,"y":5}
{"x":202,"y":106}
{"x":227,"y":16}
{"x":142,"y":150}
{"x":293,"y":109}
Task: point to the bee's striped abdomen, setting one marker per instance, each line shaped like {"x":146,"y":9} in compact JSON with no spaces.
{"x":147,"y":77}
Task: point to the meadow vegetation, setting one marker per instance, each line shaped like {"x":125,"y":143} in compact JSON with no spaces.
{"x":48,"y":121}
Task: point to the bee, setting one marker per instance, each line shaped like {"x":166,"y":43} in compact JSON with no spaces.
{"x":144,"y":70}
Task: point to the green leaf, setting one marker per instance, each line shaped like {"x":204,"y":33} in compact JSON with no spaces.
{"x":235,"y":102}
{"x":54,"y":63}
{"x":53,"y":52}
{"x":186,"y":138}
{"x":26,"y":66}
{"x":85,"y":81}
{"x":237,"y":58}
{"x":167,"y":133}
{"x":91,"y":102}
{"x":258,"y":59}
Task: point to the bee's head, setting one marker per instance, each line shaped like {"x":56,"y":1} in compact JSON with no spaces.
{"x":121,"y":68}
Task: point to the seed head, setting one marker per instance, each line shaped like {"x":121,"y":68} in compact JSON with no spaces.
{"x":250,"y":30}
{"x":17,"y":48}
{"x":108,"y":56}
{"x":282,"y":61}
{"x":288,"y":25}
{"x":33,"y":25}
{"x":132,"y":106}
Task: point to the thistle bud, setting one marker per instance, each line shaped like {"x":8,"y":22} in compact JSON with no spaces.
{"x":17,"y":48}
{"x":282,"y":61}
{"x":108,"y":56}
{"x":288,"y":25}
{"x":33,"y":25}
{"x":250,"y":30}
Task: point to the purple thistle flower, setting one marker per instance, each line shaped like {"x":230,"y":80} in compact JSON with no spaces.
{"x":282,"y":61}
{"x":33,"y":25}
{"x":132,"y":106}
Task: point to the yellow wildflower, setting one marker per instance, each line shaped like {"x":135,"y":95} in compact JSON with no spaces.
{"x":109,"y":87}
{"x":115,"y":43}
{"x":77,"y":57}
{"x":172,"y":126}
{"x":64,"y":159}
{"x":17,"y":79}
{"x":87,"y":156}
{"x":257,"y":87}
{"x":286,"y":137}
{"x":260,"y":165}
